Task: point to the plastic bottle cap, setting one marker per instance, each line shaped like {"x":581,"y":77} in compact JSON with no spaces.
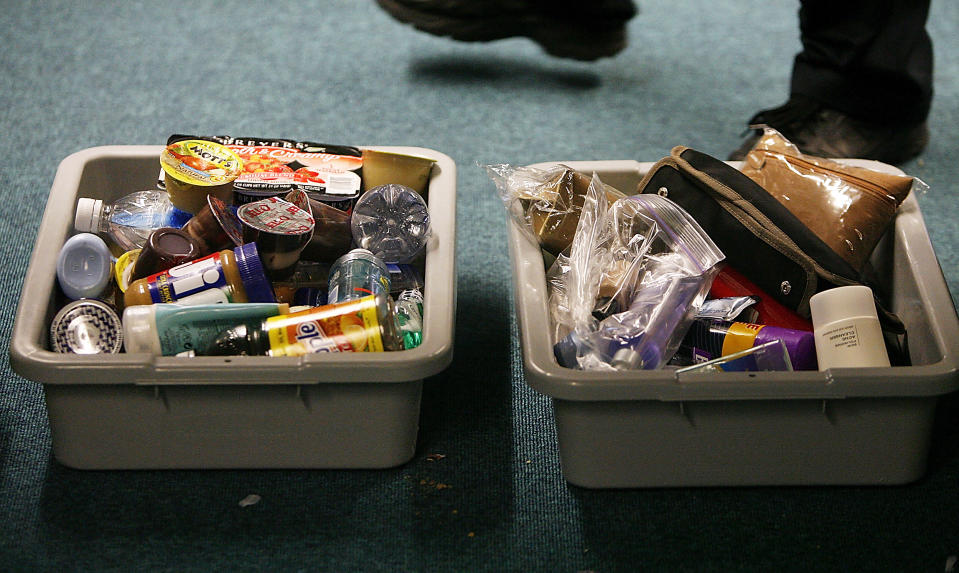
{"x":258,"y":287}
{"x":84,"y":266}
{"x":139,"y":330}
{"x":566,"y":350}
{"x":87,"y":219}
{"x":842,"y":302}
{"x":86,"y":326}
{"x":647,"y":358}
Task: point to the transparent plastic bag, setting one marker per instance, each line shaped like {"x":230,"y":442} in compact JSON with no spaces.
{"x":848,"y":207}
{"x":669,"y":265}
{"x":546,"y":202}
{"x":557,"y":299}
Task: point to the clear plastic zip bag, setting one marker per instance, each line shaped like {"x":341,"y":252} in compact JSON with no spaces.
{"x":660,"y":265}
{"x":630,"y":273}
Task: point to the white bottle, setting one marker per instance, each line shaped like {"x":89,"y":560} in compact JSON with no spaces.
{"x":846,"y":329}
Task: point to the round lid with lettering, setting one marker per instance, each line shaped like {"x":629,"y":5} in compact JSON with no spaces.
{"x":201,"y":162}
{"x":86,"y":326}
{"x":276,"y":216}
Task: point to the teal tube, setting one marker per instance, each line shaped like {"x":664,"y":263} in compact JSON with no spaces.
{"x":173,"y":329}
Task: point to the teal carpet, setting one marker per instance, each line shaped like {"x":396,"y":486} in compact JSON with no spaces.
{"x":83,"y":74}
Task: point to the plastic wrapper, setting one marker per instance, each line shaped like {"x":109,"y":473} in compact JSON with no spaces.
{"x":731,"y":308}
{"x":547,"y":202}
{"x":558,"y":301}
{"x":771,"y":356}
{"x":848,"y":207}
{"x":627,"y":282}
{"x":657,"y":265}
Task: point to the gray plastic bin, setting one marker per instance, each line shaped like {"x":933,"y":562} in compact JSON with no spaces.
{"x":128,"y":411}
{"x":844,"y":426}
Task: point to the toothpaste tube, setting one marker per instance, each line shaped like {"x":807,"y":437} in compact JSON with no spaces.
{"x":169,"y":329}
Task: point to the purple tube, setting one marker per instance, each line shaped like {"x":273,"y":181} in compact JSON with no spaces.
{"x":709,"y":339}
{"x":800,"y":345}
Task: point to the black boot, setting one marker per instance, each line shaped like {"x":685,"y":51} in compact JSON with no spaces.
{"x":817,"y":130}
{"x":564,"y":28}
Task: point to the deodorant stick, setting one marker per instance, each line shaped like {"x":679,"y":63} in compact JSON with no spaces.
{"x":846,"y":328}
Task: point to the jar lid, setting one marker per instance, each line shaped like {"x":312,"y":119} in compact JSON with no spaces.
{"x":201,"y":162}
{"x":86,"y":326}
{"x":841,"y":303}
{"x":258,"y":287}
{"x":277,"y":216}
{"x":84,"y":266}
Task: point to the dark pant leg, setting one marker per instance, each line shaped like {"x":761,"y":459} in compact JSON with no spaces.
{"x":870,"y":59}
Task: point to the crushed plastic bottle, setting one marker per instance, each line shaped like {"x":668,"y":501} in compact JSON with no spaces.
{"x":129,"y":220}
{"x":409,"y":317}
{"x":392,"y":221}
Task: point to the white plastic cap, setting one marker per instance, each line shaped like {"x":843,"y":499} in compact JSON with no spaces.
{"x":842,"y":303}
{"x":87,"y":219}
{"x":139,"y":330}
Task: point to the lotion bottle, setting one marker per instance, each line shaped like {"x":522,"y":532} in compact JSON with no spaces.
{"x":846,"y":329}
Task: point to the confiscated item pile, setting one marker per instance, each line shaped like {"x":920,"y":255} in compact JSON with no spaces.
{"x":705,"y":267}
{"x":308,"y":253}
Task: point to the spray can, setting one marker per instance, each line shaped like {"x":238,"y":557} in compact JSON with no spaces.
{"x":708,"y":339}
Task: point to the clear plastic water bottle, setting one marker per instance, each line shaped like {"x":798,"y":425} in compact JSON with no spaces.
{"x":129,"y":220}
{"x":392,"y":222}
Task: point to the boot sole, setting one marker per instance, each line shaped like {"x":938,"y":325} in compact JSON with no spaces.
{"x":901,"y":150}
{"x":558,"y":37}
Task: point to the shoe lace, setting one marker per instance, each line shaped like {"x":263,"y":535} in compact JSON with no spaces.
{"x":787,"y":118}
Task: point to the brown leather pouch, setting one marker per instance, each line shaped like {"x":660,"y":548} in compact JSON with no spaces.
{"x":847,"y":207}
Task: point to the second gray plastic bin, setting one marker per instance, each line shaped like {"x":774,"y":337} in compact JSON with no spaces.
{"x":844,"y":426}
